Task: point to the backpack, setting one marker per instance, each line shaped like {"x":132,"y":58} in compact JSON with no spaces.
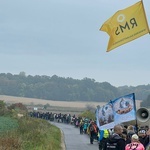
{"x":91,"y":128}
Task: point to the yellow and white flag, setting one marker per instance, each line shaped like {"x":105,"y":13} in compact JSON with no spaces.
{"x":126,"y":25}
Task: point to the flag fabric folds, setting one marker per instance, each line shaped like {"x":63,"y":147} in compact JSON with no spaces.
{"x":126,"y":25}
{"x":124,"y":109}
{"x":105,"y":117}
{"x":120,"y":110}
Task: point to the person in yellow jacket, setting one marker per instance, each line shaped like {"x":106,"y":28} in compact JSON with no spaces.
{"x":104,"y":134}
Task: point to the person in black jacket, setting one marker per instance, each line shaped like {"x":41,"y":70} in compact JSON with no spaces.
{"x":143,"y":137}
{"x":115,"y":141}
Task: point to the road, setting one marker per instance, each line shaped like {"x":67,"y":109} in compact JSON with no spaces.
{"x":74,"y":140}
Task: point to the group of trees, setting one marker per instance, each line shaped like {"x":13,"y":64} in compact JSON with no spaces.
{"x":65,"y":89}
{"x":146,"y":102}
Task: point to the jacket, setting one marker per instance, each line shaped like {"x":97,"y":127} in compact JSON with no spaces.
{"x":115,"y":142}
{"x":134,"y":145}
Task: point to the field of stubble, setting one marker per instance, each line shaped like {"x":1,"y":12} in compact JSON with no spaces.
{"x":29,"y":101}
{"x":76,"y":106}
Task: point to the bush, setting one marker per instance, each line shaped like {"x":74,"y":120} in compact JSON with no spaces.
{"x":88,"y":114}
{"x":18,"y":106}
{"x":2,"y":108}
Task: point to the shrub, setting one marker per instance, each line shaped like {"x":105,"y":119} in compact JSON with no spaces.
{"x":87,"y":114}
{"x":18,"y":106}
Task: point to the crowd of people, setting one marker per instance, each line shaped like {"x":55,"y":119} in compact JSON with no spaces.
{"x":121,"y":137}
{"x":126,"y":138}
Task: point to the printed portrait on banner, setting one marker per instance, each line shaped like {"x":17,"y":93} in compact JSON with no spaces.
{"x":124,"y":109}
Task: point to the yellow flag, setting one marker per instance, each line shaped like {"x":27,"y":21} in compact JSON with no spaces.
{"x":126,"y":25}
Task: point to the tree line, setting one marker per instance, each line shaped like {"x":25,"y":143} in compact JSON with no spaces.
{"x":66,"y":89}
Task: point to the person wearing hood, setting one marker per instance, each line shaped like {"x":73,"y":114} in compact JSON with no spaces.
{"x":115,"y":141}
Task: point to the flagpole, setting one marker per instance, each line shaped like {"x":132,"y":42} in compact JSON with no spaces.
{"x":136,"y":124}
{"x":145,"y":16}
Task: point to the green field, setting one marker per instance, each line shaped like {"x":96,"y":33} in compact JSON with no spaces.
{"x":7,"y":124}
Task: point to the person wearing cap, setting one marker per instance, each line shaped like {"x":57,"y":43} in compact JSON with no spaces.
{"x":135,"y":144}
{"x":143,"y":137}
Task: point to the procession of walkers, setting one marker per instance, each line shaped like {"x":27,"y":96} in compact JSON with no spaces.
{"x":121,"y":137}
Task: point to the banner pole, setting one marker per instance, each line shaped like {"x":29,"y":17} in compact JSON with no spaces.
{"x":136,"y":123}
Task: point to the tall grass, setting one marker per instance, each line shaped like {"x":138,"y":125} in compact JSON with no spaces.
{"x":31,"y":134}
{"x":39,"y":134}
{"x":26,"y":133}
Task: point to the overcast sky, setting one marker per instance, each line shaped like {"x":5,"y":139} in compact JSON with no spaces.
{"x":62,"y":37}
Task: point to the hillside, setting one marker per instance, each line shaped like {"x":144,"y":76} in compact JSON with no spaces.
{"x":65,"y":89}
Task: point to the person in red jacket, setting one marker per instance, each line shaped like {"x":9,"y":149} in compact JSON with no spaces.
{"x":93,"y":131}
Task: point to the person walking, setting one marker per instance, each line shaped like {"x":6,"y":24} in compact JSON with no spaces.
{"x":104,"y":134}
{"x":135,"y":144}
{"x":115,"y":141}
{"x":130,"y":132}
{"x":81,"y":126}
{"x":93,"y":129}
{"x":144,"y":137}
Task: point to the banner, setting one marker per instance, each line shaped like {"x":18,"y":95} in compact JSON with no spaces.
{"x":105,"y":117}
{"x":126,"y":25}
{"x":124,"y":109}
{"x":117,"y":111}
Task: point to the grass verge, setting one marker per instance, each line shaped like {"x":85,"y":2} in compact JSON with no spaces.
{"x":30,"y":134}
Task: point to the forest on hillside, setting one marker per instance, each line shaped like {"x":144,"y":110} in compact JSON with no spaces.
{"x":66,"y":89}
